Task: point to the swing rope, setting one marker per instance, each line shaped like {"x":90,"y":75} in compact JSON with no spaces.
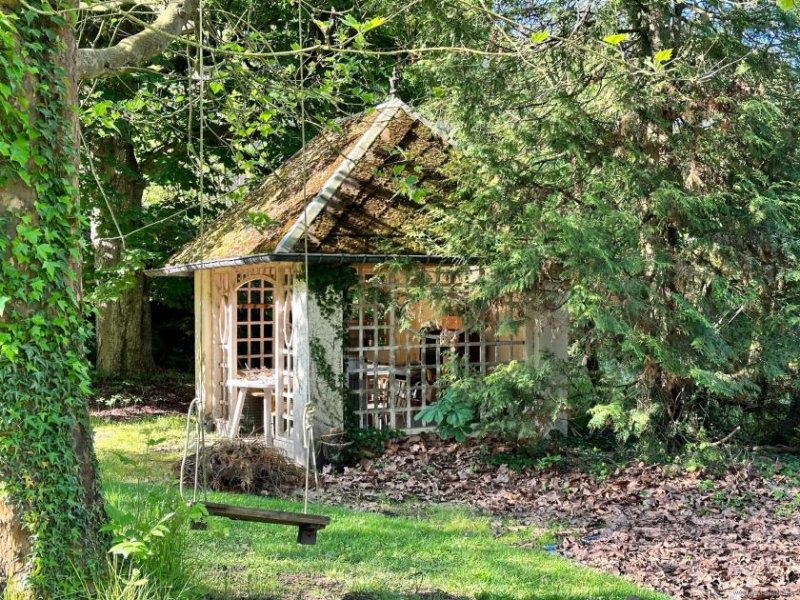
{"x":197,"y":406}
{"x":308,"y":406}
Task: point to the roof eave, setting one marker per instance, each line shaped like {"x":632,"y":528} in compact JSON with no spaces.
{"x":186,"y":270}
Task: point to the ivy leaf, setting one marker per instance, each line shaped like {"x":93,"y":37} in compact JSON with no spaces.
{"x":538,"y":37}
{"x":19,"y":152}
{"x":45,"y":251}
{"x":216,"y":87}
{"x":787,"y":4}
{"x":615,"y":39}
{"x":661,"y":57}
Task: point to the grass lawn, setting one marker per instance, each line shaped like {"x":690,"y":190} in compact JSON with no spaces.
{"x":414,"y":551}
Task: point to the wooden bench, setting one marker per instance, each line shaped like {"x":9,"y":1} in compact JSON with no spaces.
{"x":307,"y":525}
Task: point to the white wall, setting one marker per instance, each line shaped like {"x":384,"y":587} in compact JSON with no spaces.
{"x":325,"y":332}
{"x":547,"y":334}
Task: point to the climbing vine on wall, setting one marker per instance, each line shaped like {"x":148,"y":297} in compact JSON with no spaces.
{"x":43,"y":417}
{"x":332,"y":285}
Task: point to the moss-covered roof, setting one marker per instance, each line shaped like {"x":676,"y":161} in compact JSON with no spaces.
{"x":366,"y":187}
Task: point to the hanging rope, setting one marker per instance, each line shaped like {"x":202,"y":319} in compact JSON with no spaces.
{"x":202,"y":196}
{"x":197,"y":406}
{"x":185,"y":455}
{"x":308,"y":406}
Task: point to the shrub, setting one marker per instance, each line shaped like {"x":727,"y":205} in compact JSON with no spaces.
{"x":148,"y":556}
{"x":517,"y":400}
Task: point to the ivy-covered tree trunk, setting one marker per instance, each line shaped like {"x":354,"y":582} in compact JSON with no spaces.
{"x":124,"y":333}
{"x":50,"y":505}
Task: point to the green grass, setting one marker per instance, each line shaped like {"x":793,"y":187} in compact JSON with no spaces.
{"x":423,"y":549}
{"x":142,"y":450}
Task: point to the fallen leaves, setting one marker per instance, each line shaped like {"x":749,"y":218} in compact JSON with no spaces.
{"x":690,"y":535}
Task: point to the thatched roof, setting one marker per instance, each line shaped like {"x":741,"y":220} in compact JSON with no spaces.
{"x":359,"y":185}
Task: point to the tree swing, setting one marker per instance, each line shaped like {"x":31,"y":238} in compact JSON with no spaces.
{"x":307,"y":525}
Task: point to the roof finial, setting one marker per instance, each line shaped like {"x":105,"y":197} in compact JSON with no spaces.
{"x":393,"y":83}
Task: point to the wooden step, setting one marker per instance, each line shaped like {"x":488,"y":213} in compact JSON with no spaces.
{"x":307,"y":525}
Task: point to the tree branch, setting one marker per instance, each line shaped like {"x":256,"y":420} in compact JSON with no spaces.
{"x":140,"y":47}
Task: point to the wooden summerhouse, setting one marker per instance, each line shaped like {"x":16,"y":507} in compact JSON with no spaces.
{"x":265,"y":344}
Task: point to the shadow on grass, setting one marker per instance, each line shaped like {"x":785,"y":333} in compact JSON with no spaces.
{"x":433,"y":595}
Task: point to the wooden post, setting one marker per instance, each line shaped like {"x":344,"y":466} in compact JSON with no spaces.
{"x":203,"y":370}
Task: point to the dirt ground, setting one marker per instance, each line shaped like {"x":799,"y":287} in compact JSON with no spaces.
{"x":167,"y":393}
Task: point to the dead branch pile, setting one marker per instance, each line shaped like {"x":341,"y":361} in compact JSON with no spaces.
{"x":246,"y":467}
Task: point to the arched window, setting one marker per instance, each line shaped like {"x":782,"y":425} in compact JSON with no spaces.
{"x":255,"y":333}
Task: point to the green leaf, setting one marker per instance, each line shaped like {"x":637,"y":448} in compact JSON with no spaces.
{"x":19,"y":152}
{"x":373,"y":23}
{"x":662,"y":56}
{"x":787,"y":4}
{"x":128,"y":548}
{"x":3,"y":301}
{"x":216,"y":87}
{"x":537,"y":37}
{"x":351,"y":21}
{"x":323,"y":25}
{"x":615,"y":39}
{"x":100,"y":109}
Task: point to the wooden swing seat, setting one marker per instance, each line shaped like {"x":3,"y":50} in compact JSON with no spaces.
{"x":307,"y":525}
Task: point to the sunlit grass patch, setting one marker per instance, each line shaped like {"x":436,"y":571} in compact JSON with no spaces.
{"x":413,"y":551}
{"x":140,"y":450}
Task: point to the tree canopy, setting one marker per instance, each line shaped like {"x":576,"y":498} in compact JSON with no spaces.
{"x":637,"y":162}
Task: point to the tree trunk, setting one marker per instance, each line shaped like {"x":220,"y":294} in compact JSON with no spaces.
{"x":50,"y":506}
{"x":124,"y":334}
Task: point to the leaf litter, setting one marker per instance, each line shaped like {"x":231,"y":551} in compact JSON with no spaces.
{"x":697,"y":535}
